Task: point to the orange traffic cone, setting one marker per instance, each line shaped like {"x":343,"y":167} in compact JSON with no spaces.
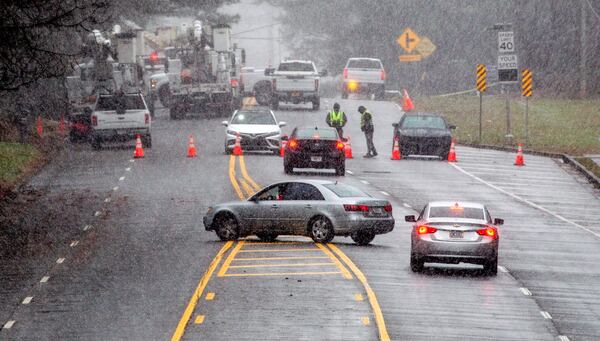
{"x":39,"y":126}
{"x":407,"y":104}
{"x":237,"y":147}
{"x":348,"y":148}
{"x":61,"y":125}
{"x":191,"y":147}
{"x":139,"y":150}
{"x":282,"y":148}
{"x":396,"y":150}
{"x":452,"y":153}
{"x":519,"y":161}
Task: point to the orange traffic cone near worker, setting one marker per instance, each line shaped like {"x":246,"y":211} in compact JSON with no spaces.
{"x":348,"y":148}
{"x":452,"y":153}
{"x":139,"y":150}
{"x":191,"y":147}
{"x":407,"y":104}
{"x":282,"y":147}
{"x":396,"y":150}
{"x":519,"y":161}
{"x":237,"y":147}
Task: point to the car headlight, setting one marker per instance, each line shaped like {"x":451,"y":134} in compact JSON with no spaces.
{"x":231,"y":132}
{"x":153,"y":83}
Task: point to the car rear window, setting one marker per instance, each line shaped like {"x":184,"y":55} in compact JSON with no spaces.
{"x":433,"y":122}
{"x":310,"y":133}
{"x":113,"y":103}
{"x":456,"y":212}
{"x":253,"y":117}
{"x":306,"y":67}
{"x":345,"y":191}
{"x":364,"y":64}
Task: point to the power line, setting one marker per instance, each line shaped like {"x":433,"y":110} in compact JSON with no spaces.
{"x":592,"y":8}
{"x":256,"y":28}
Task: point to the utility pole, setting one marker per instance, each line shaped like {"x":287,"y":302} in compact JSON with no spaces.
{"x":583,"y":58}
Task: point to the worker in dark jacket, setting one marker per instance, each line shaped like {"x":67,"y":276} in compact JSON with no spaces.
{"x":337,"y":119}
{"x":366,"y":125}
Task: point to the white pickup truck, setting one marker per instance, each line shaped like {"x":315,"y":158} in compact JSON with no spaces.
{"x":255,"y":83}
{"x":364,"y":75}
{"x":120,"y":117}
{"x":296,"y":81}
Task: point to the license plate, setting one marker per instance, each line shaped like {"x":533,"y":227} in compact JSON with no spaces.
{"x":456,"y":234}
{"x":316,"y":158}
{"x":377,"y":210}
{"x":121,"y":131}
{"x":296,"y":94}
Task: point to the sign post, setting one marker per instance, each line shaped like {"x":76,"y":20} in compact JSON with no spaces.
{"x":508,"y":72}
{"x":481,"y":87}
{"x":527,"y":91}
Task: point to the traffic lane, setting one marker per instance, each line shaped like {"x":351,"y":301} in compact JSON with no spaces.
{"x":136,"y":270}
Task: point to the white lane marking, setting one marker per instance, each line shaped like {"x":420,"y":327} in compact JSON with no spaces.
{"x":546,"y":315}
{"x":27,"y":300}
{"x":60,"y":260}
{"x":406,"y":205}
{"x":503,"y":269}
{"x":532,"y":204}
{"x":44,"y":279}
{"x":563,"y":338}
{"x":525,"y":291}
{"x":116,"y":188}
{"x":87,"y":227}
{"x":350,"y":172}
{"x":132,"y":160}
{"x":385,"y":193}
{"x":122,"y":178}
{"x":74,"y":243}
{"x":128,"y":169}
{"x":107,"y":200}
{"x":97,"y":213}
{"x":364,"y":182}
{"x":8,"y":324}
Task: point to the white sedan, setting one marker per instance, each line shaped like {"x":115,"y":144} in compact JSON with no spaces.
{"x":257,"y":128}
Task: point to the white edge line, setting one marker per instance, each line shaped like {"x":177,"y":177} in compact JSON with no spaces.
{"x":385,"y":193}
{"x":503,"y":269}
{"x":349,"y":172}
{"x":525,"y":291}
{"x":563,"y":338}
{"x":60,"y":260}
{"x":27,"y":300}
{"x":44,"y":279}
{"x":9,"y":324}
{"x":122,"y":178}
{"x":116,"y":188}
{"x":406,"y":205}
{"x":532,"y":204}
{"x":128,"y":169}
{"x":546,"y":315}
{"x":364,"y":182}
{"x":97,"y":213}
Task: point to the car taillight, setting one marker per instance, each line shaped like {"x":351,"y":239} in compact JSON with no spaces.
{"x":488,"y":231}
{"x":234,"y":83}
{"x":94,"y":120}
{"x":186,"y":76}
{"x":146,"y":118}
{"x":340,"y":145}
{"x":316,"y":84}
{"x":345,"y":73}
{"x":388,"y":208}
{"x":356,"y":208}
{"x":424,"y":229}
{"x":292,"y":144}
{"x":382,"y":75}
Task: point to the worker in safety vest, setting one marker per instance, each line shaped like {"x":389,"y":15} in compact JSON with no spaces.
{"x":366,"y":125}
{"x":337,"y":119}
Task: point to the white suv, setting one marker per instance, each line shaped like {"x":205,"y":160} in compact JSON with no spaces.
{"x":364,"y":75}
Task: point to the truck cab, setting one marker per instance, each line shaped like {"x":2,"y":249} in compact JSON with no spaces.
{"x":296,"y":81}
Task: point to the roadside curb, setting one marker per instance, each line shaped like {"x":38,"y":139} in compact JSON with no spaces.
{"x":567,"y":159}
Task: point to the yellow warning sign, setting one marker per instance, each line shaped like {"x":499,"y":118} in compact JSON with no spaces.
{"x":425,"y":47}
{"x":408,"y":40}
{"x":417,"y":48}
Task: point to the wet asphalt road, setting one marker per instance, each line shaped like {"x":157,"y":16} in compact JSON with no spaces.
{"x":144,"y":268}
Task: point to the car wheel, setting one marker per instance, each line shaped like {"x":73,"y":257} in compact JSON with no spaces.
{"x":96,"y":143}
{"x":227,"y":227}
{"x":363,"y":237}
{"x":416,"y":264}
{"x":267,"y":237}
{"x":147,"y":141}
{"x":320,"y":230}
{"x":288,"y":168}
{"x":340,"y":170}
{"x":490,"y":267}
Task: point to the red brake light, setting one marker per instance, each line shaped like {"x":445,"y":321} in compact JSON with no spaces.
{"x":388,"y":208}
{"x":488,"y":231}
{"x":293,"y":144}
{"x":234,"y":82}
{"x":146,"y":118}
{"x":340,"y":145}
{"x":382,"y":75}
{"x":154,"y":56}
{"x":424,"y":229}
{"x":345,"y":73}
{"x":356,"y":208}
{"x":94,"y":120}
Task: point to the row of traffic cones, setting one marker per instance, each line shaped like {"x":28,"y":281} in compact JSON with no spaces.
{"x":139,"y":149}
{"x":39,"y":125}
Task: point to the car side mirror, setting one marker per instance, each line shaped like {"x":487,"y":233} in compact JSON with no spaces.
{"x":269,"y":71}
{"x":282,"y":124}
{"x":254,"y":199}
{"x":225,"y":123}
{"x":395,"y":125}
{"x":498,"y":221}
{"x":410,"y":218}
{"x":284,"y":137}
{"x":323,"y":73}
{"x":452,"y":126}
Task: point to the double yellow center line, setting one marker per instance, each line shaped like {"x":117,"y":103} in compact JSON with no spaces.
{"x":249,"y":185}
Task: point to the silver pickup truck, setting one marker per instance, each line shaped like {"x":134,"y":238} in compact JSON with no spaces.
{"x":296,"y":81}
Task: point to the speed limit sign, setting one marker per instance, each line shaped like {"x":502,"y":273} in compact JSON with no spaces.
{"x":506,"y":42}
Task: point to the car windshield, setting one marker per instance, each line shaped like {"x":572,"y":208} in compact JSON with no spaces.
{"x":456,"y":212}
{"x":364,"y":64}
{"x":113,"y":103}
{"x":311,"y":133}
{"x":305,"y":67}
{"x":425,"y":121}
{"x":253,"y":117}
{"x":345,"y":191}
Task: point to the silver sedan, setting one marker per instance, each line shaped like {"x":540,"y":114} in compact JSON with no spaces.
{"x":319,"y":209}
{"x":454,"y":232}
